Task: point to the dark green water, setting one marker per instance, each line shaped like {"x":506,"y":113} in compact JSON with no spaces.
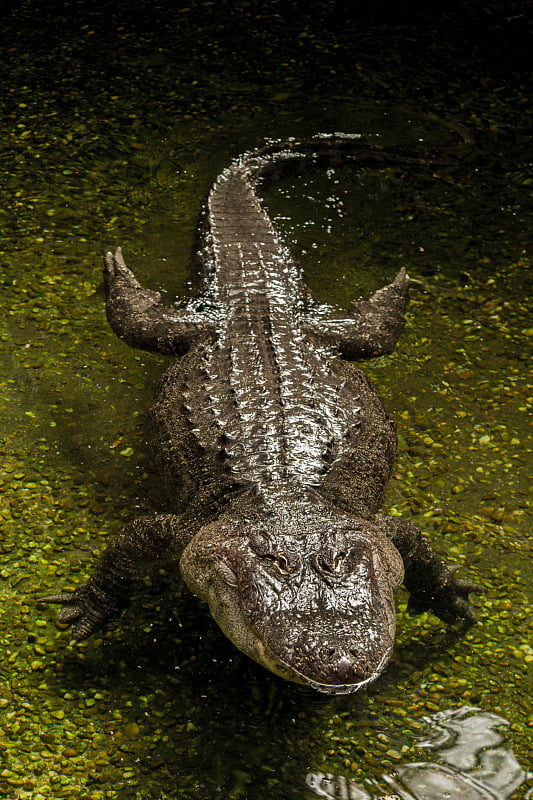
{"x":114,"y":121}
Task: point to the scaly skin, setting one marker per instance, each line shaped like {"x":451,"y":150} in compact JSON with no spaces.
{"x":278,"y":450}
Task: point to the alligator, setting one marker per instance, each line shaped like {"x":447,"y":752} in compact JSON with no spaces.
{"x":275,"y":449}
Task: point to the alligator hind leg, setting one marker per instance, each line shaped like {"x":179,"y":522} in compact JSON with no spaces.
{"x":432,"y":584}
{"x":372,"y":327}
{"x":143,"y":543}
{"x":139,"y":317}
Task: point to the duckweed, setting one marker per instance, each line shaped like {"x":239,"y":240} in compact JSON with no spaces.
{"x":98,"y":151}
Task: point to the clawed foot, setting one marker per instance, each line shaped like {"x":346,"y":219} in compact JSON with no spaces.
{"x":448,"y":600}
{"x":84,"y":610}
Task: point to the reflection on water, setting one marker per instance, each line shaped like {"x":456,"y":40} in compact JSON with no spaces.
{"x":473,"y":764}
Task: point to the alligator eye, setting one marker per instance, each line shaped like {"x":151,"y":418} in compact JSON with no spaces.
{"x":283,"y":563}
{"x":333,"y":566}
{"x":280,"y":560}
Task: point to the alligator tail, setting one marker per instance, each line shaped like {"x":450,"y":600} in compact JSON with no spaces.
{"x":324,"y":151}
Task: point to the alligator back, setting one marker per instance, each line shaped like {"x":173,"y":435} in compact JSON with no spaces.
{"x":262,"y":399}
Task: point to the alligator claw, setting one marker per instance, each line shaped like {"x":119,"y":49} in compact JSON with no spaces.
{"x":82,"y":609}
{"x":449,"y":600}
{"x":56,"y":598}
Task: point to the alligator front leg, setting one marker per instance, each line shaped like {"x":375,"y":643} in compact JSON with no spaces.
{"x":138,"y":547}
{"x":139,"y":317}
{"x":372,"y":327}
{"x":433,"y":586}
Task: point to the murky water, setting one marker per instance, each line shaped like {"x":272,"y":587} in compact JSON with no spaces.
{"x":164,"y":707}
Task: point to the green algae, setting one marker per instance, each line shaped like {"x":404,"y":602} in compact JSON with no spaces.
{"x":96,"y":152}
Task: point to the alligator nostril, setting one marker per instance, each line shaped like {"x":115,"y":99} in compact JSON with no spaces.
{"x":343,"y":664}
{"x":328,"y":654}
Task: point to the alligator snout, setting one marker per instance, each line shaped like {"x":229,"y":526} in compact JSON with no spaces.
{"x":341,"y":664}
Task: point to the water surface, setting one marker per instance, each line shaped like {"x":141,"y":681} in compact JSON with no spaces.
{"x":111,"y":135}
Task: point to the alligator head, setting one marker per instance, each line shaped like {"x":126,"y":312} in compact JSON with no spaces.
{"x":304,"y":590}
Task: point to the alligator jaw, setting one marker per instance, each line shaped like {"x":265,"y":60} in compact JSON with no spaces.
{"x":331,"y":688}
